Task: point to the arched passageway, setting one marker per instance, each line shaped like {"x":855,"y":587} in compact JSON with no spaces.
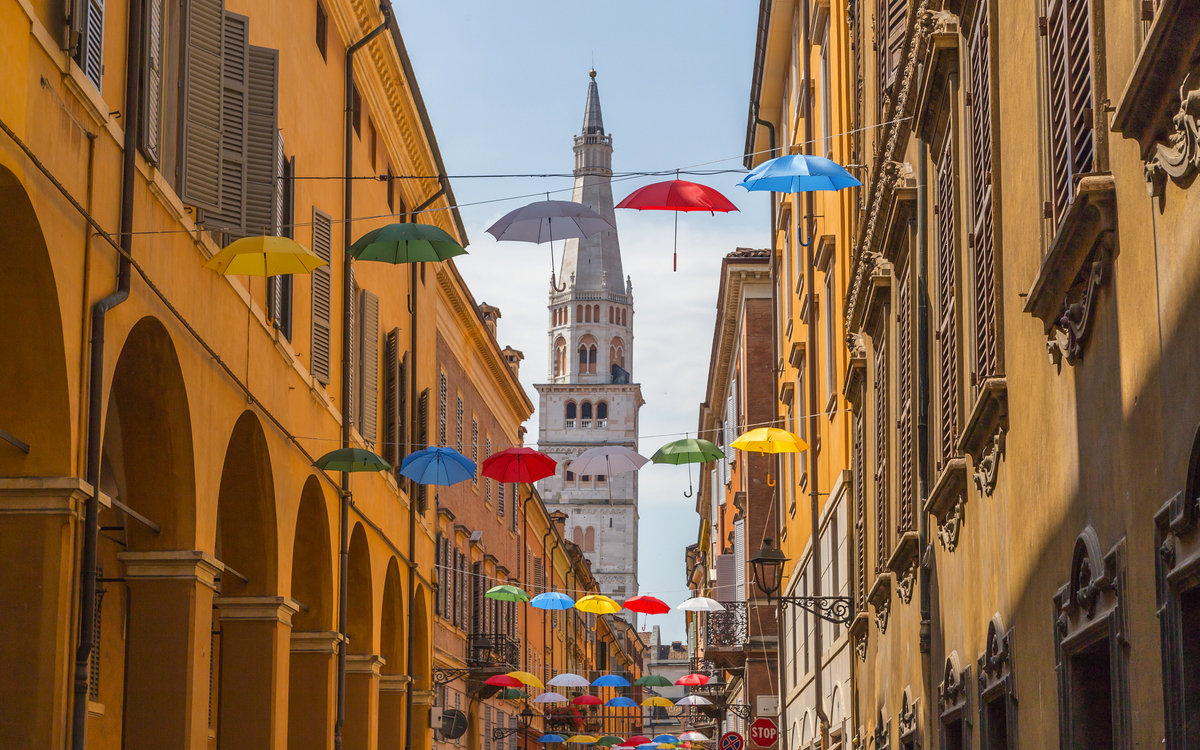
{"x":362,"y":663}
{"x":392,"y":645}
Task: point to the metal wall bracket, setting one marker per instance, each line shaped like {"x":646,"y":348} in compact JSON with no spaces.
{"x":443,"y":676}
{"x":835,"y":609}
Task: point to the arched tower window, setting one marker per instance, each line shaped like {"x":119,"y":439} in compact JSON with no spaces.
{"x":624,"y":317}
{"x":602,"y":410}
{"x":560,"y":357}
{"x":578,"y":535}
{"x":616,"y":351}
{"x":578,"y":313}
{"x":571,"y":410}
{"x":589,"y":539}
{"x":587,"y":354}
{"x":586,"y":410}
{"x":596,"y":313}
{"x":610,"y":313}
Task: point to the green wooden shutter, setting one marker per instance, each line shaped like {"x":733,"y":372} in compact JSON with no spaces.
{"x":235,"y":89}
{"x":263,"y":155}
{"x":200,"y":170}
{"x":151,"y":120}
{"x":369,"y":366}
{"x":322,"y":288}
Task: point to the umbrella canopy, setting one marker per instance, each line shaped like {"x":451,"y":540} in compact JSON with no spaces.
{"x":769,"y":440}
{"x":507,"y":593}
{"x":551,"y":698}
{"x":503,"y":680}
{"x":657,"y":701}
{"x":582,"y":739}
{"x":552,"y":600}
{"x":701,"y":604}
{"x":652,"y":680}
{"x":798,"y":173}
{"x":351,"y":459}
{"x":635,"y":740}
{"x":406,"y":243}
{"x":545,"y":221}
{"x":598,"y":604}
{"x":647,"y":605}
{"x":512,"y":694}
{"x":609,"y":740}
{"x":677,"y":195}
{"x":607,"y":459}
{"x":567,"y":679}
{"x":689,"y":451}
{"x":438,"y":465}
{"x":693,"y":700}
{"x":548,"y":738}
{"x":586,"y":700}
{"x":518,"y":464}
{"x":668,"y":738}
{"x":693,"y":679}
{"x":610,"y":680}
{"x":264,"y":256}
{"x":527,"y":679}
{"x":621,"y":702}
{"x":693,"y":737}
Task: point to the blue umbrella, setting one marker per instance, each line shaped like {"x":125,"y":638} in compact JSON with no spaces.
{"x":552,"y":600}
{"x":620,"y":702}
{"x":610,"y":680}
{"x":442,"y":466}
{"x":550,"y":738}
{"x":667,"y":738}
{"x":798,"y":173}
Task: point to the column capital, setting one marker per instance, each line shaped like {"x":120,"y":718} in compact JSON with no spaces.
{"x":44,"y":495}
{"x":423,"y":697}
{"x":364,"y":664}
{"x":273,"y":608}
{"x":316,"y":641}
{"x":397,"y":682}
{"x":182,"y":565}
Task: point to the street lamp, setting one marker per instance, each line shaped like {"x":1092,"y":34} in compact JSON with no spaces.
{"x":526,"y":718}
{"x":768,"y":564}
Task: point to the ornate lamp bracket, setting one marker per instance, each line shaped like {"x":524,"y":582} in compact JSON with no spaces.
{"x":500,"y":733}
{"x":442,"y":676}
{"x":741,"y":710}
{"x":836,"y":609}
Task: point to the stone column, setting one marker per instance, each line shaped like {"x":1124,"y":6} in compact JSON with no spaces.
{"x":312,"y":690}
{"x":255,"y":655}
{"x":393,"y":691}
{"x":422,"y":701}
{"x":362,"y":701}
{"x":39,"y":519}
{"x":169,"y":648}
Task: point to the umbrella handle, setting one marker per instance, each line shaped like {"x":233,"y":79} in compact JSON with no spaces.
{"x":798,"y":235}
{"x":689,"y":492}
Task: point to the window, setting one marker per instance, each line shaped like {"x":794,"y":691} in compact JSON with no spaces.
{"x":578,"y":313}
{"x":442,"y":408}
{"x":602,"y":410}
{"x":1070,"y":99}
{"x":826,"y":98}
{"x":279,"y":288}
{"x":571,"y":410}
{"x":830,"y":354}
{"x":90,"y":26}
{"x":906,"y":461}
{"x":610,"y":313}
{"x":587,"y":314}
{"x":585,"y":411}
{"x":946,"y":220}
{"x":322,"y":288}
{"x":500,"y":499}
{"x":357,"y":105}
{"x":475,"y":449}
{"x":881,"y":446}
{"x":459,"y":423}
{"x":891,"y":25}
{"x":368,"y":366}
{"x":488,"y":482}
{"x":987,"y":355}
{"x":322,"y":32}
{"x":371,"y":144}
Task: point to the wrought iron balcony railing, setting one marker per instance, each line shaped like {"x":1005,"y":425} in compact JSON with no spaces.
{"x":730,"y":628}
{"x":494,"y":651}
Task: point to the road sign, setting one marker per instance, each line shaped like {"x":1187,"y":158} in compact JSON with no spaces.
{"x":763,"y":732}
{"x":731,"y":741}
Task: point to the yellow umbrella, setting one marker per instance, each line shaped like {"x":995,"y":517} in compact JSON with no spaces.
{"x":527,"y":679}
{"x":769,"y":440}
{"x":582,"y":739}
{"x":597,"y":604}
{"x":658,"y":701}
{"x":264,"y":256}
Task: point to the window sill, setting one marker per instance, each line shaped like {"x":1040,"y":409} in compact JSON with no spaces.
{"x":951,"y":484}
{"x":983,"y":436}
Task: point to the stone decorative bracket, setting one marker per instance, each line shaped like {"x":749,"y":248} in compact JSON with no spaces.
{"x":950,"y":526}
{"x":903,"y":564}
{"x":880,"y":597}
{"x":1179,"y":158}
{"x":952,"y":691}
{"x":983,"y":435}
{"x":947,"y":498}
{"x":859,"y":629}
{"x":941,"y":62}
{"x":1066,"y":290}
{"x":906,"y":719}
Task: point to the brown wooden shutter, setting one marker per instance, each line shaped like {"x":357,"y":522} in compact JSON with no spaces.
{"x":947,"y":325}
{"x":391,"y":399}
{"x":860,"y":499}
{"x":422,"y":440}
{"x":369,"y":369}
{"x":262,"y":148}
{"x":235,"y":85}
{"x":152,"y":55}
{"x":891,"y":25}
{"x":437,"y":574}
{"x":881,"y":447}
{"x":200,"y":168}
{"x":1070,"y":98}
{"x":448,"y":601}
{"x":322,"y":289}
{"x":987,"y":362}
{"x":905,"y":485}
{"x":477,"y":599}
{"x":350,"y":410}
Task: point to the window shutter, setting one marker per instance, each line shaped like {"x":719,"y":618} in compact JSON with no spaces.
{"x":235,"y":90}
{"x":280,"y":185}
{"x":200,"y":168}
{"x":477,"y":600}
{"x":369,"y":367}
{"x":391,"y":399}
{"x":90,"y":55}
{"x":881,"y":446}
{"x":475,"y":450}
{"x":439,"y":576}
{"x":352,"y":411}
{"x":322,"y":293}
{"x":262,"y":148}
{"x":905,"y":488}
{"x":152,"y":51}
{"x":464,"y":598}
{"x":726,"y":578}
{"x":422,"y":436}
{"x":982,"y":237}
{"x":448,"y":571}
{"x":739,"y":559}
{"x":442,"y":409}
{"x":947,"y":328}
{"x":860,"y":500}
{"x":1071,"y":96}
{"x":891,"y":24}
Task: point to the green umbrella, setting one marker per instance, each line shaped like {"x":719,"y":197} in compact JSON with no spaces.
{"x":512,"y":694}
{"x":609,"y":740}
{"x":406,"y":243}
{"x":506,"y":593}
{"x":351,"y":459}
{"x":689,"y":451}
{"x":653,"y":680}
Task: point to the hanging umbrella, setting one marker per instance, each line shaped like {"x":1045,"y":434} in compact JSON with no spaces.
{"x":546,"y":739}
{"x":677,"y":195}
{"x":507,"y":593}
{"x":658,"y":701}
{"x":503,"y":680}
{"x":567,"y":679}
{"x":769,"y":440}
{"x":652,"y":680}
{"x":606,"y":459}
{"x":668,"y":738}
{"x":552,"y":600}
{"x":546,"y":221}
{"x":798,"y":173}
{"x":351,"y":459}
{"x":527,"y":679}
{"x":701,"y":604}
{"x":610,"y":680}
{"x":582,"y":739}
{"x":693,"y":700}
{"x":693,"y":679}
{"x":621,"y":702}
{"x":693,"y":737}
{"x":518,"y":464}
{"x":437,"y":465}
{"x":635,"y":740}
{"x":647,"y":605}
{"x":551,"y":698}
{"x":264,"y":256}
{"x":609,"y":740}
{"x":687,"y":451}
{"x":598,"y":604}
{"x":406,"y":243}
{"x":586,"y":700}
{"x":512,"y":694}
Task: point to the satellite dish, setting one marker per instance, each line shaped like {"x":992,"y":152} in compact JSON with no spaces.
{"x":454,"y":724}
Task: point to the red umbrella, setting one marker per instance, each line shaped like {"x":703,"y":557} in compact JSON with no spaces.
{"x":634,"y":741}
{"x":648,"y":605}
{"x":692,"y":679}
{"x":518,"y":465}
{"x":677,"y":195}
{"x":586,"y":700}
{"x":503,"y":680}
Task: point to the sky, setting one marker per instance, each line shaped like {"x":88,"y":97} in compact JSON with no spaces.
{"x":505,"y":84}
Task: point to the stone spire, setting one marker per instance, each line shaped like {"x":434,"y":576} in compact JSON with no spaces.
{"x":593,"y":122}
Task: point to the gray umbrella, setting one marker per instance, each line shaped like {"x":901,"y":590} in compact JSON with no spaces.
{"x":547,"y":221}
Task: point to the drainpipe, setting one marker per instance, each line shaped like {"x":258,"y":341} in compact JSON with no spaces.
{"x":91,"y":522}
{"x":347,"y":302}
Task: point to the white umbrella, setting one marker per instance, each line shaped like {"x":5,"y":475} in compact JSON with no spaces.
{"x":606,"y":459}
{"x":693,"y":737}
{"x":701,"y":604}
{"x":693,"y":700}
{"x":547,"y":221}
{"x":551,"y":698}
{"x":566,"y":679}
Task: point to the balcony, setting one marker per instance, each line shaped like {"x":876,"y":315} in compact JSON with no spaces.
{"x":585,"y":424}
{"x":727,"y":634}
{"x":494,"y":652}
{"x":569,"y":424}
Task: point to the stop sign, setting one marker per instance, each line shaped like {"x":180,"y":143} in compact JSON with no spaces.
{"x":763,"y":732}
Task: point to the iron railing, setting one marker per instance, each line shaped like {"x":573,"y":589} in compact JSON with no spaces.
{"x":494,"y":651}
{"x":730,"y":628}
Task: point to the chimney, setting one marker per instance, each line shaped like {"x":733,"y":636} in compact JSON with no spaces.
{"x":490,"y":314}
{"x":513,"y":357}
{"x":559,"y":519}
